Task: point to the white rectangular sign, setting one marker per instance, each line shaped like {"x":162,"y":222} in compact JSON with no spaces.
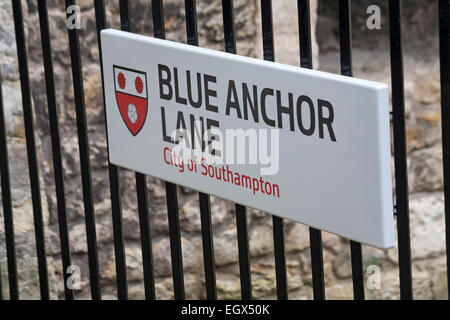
{"x":301,"y":144}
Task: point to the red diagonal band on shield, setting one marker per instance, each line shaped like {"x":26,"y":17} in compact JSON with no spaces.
{"x":126,"y":102}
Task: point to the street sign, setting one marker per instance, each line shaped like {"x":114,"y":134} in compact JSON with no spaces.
{"x":301,"y":144}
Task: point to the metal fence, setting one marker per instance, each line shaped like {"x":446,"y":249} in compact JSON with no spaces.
{"x":398,"y":119}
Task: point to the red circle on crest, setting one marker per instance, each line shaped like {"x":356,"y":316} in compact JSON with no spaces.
{"x":121,"y":80}
{"x":139,"y":85}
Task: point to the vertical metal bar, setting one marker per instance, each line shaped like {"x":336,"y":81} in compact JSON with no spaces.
{"x":315,"y":236}
{"x":315,"y":239}
{"x":228,"y":26}
{"x":241,"y":213}
{"x":267,"y":30}
{"x":357,"y":270}
{"x":280,"y":258}
{"x":304,"y":28}
{"x":146,"y":239}
{"x":345,"y":35}
{"x":142,"y":196}
{"x":401,"y":177}
{"x":278,"y":234}
{"x":56,"y":145}
{"x":31,"y":148}
{"x":83,"y":145}
{"x":175,"y":241}
{"x":159,"y":31}
{"x":191,"y":22}
{"x":244,"y":252}
{"x":141,"y":189}
{"x":208,"y":247}
{"x":205,"y":208}
{"x":444,"y":53}
{"x":171,"y":189}
{"x":144,"y":219}
{"x":100,"y":19}
{"x":7,"y":206}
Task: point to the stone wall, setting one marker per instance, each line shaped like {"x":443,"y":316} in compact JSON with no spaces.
{"x":423,"y":142}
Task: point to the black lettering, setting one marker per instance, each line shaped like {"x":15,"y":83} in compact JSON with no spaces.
{"x":312,"y":124}
{"x":266,"y":92}
{"x":233,"y":100}
{"x":248,"y":102}
{"x":178,"y":98}
{"x":328,"y":120}
{"x":195,"y":132}
{"x":287,"y":110}
{"x":164,"y":82}
{"x":166,"y":138}
{"x":198,"y":103}
{"x":209,"y":124}
{"x":181,"y":131}
{"x":209,"y":92}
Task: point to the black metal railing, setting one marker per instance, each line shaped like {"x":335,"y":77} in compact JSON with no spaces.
{"x":31,"y":148}
{"x":444,"y":53}
{"x":306,"y":61}
{"x":345,"y":37}
{"x":56,"y":145}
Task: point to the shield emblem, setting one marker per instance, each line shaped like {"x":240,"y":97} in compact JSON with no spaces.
{"x":131,"y":96}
